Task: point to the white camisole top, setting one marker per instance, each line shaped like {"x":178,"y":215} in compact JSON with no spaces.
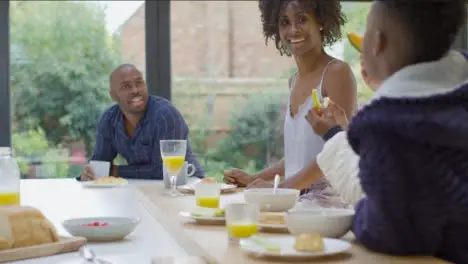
{"x":301,"y":146}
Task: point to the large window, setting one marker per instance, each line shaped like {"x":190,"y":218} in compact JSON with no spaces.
{"x":232,"y":88}
{"x":209,"y":57}
{"x":60,"y":60}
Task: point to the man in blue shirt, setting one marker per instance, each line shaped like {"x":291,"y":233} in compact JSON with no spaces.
{"x":133,"y":128}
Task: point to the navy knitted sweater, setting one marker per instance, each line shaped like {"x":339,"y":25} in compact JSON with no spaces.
{"x":414,"y":170}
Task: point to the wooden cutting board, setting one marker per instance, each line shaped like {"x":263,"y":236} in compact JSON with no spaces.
{"x":65,"y":245}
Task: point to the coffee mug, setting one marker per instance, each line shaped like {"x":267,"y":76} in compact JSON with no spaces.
{"x":100,"y":168}
{"x":188,"y":170}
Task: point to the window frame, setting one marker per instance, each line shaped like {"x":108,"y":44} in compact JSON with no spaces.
{"x":158,"y":57}
{"x":5,"y":107}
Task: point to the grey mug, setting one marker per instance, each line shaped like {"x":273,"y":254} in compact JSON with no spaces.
{"x":188,"y":170}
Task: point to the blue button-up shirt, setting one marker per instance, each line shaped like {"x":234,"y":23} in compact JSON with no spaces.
{"x":160,"y":121}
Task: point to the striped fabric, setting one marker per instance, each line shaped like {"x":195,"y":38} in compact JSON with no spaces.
{"x":161,"y":121}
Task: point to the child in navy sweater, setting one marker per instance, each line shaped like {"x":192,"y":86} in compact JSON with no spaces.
{"x":412,"y":139}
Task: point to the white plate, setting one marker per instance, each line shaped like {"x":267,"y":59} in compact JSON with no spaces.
{"x":286,"y":243}
{"x":191,"y":187}
{"x":117,"y":229}
{"x":90,"y":184}
{"x":112,"y":258}
{"x":202,"y":218}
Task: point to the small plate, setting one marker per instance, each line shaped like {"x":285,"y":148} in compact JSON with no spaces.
{"x":286,"y":243}
{"x":117,"y":228}
{"x":92,"y":184}
{"x":203,"y":219}
{"x":273,"y":227}
{"x":273,"y":221}
{"x":191,"y":187}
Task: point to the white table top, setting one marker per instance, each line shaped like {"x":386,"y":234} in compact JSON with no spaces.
{"x":61,"y":199}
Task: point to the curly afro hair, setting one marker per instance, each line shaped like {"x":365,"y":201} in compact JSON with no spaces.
{"x":431,"y":25}
{"x":327,"y":13}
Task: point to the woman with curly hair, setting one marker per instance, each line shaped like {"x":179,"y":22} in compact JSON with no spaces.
{"x":302,"y":29}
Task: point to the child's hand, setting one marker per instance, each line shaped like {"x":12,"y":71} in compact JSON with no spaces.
{"x":321,"y":121}
{"x":338,"y":114}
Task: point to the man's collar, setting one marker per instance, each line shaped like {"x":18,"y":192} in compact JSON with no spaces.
{"x":426,"y":79}
{"x":144,"y":119}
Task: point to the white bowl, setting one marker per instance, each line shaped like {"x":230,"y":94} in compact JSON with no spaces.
{"x":281,"y":201}
{"x":329,"y":222}
{"x":117,"y":229}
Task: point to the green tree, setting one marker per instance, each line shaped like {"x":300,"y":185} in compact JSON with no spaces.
{"x":256,"y":134}
{"x":62,"y":55}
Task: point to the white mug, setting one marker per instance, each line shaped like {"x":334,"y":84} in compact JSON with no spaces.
{"x":100,"y":168}
{"x":188,"y":170}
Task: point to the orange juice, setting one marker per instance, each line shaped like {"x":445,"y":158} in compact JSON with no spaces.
{"x":173,"y":163}
{"x":9,"y":198}
{"x":210,"y":202}
{"x":242,"y":230}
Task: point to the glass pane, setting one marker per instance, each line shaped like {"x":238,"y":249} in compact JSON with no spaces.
{"x":61,"y":59}
{"x":230,"y":87}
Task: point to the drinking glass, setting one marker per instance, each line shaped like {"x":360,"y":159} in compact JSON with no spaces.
{"x":208,"y":194}
{"x":241,"y":221}
{"x":173,"y":157}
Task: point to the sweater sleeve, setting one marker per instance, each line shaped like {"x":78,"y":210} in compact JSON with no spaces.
{"x":339,"y":165}
{"x":391,"y":219}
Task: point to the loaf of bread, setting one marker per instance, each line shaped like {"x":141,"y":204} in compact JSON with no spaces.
{"x":310,"y":242}
{"x":208,"y":180}
{"x":23,"y":226}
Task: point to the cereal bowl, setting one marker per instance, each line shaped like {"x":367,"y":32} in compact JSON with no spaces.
{"x":329,"y":222}
{"x":280,"y":201}
{"x":101,"y":228}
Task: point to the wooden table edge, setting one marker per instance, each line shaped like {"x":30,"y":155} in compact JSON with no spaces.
{"x":191,"y":247}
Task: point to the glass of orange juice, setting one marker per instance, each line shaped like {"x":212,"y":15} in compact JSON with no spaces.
{"x":241,"y":221}
{"x":208,"y":194}
{"x":173,"y":157}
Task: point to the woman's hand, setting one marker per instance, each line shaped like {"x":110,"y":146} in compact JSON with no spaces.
{"x":237,"y":177}
{"x":259,"y":183}
{"x":321,"y":121}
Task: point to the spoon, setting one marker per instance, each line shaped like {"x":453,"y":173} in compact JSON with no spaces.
{"x":90,"y":256}
{"x":87,"y":254}
{"x":276,"y":183}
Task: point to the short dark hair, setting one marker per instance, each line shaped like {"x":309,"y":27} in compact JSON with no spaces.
{"x":327,"y":12}
{"x":118,"y":68}
{"x":432,"y":25}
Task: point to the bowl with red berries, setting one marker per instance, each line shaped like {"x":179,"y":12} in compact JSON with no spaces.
{"x":101,"y":228}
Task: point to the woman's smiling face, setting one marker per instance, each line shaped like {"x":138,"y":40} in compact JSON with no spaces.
{"x":298,"y":30}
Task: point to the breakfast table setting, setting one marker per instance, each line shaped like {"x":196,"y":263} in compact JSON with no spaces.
{"x":180,"y":219}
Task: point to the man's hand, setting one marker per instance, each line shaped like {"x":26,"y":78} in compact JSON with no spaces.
{"x":321,"y":121}
{"x":259,"y":183}
{"x":88,"y":174}
{"x":114,"y":170}
{"x":237,"y":177}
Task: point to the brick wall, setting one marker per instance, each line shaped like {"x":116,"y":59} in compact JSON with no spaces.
{"x":194,"y":97}
{"x":210,"y":39}
{"x":133,"y":44}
